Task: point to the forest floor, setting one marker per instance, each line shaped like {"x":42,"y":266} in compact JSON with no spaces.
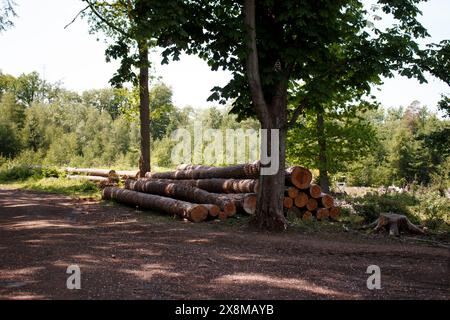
{"x":128,"y":254}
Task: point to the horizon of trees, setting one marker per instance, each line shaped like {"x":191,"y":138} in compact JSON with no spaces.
{"x":43,"y":123}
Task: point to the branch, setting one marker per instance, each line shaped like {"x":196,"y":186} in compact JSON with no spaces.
{"x":78,"y":14}
{"x":297,"y":112}
{"x":253,"y":76}
{"x":104,"y":20}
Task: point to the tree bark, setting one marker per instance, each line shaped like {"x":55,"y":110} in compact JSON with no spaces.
{"x":240,"y":171}
{"x":190,"y":211}
{"x":323,"y":165}
{"x":144,"y":109}
{"x":181,"y":191}
{"x":269,"y":210}
{"x":220,"y":185}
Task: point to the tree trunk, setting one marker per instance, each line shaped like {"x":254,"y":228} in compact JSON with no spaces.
{"x":144,"y":109}
{"x":269,"y":208}
{"x":190,"y":211}
{"x":323,"y":165}
{"x":181,"y":191}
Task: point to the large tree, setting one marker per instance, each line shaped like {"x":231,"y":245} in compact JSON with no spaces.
{"x":122,"y":22}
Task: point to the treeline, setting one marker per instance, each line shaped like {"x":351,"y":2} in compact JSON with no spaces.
{"x":42,"y":123}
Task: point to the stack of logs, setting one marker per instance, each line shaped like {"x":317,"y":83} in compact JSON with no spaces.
{"x":196,"y":193}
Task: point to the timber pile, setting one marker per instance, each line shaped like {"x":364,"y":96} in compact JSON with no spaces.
{"x":198,"y":192}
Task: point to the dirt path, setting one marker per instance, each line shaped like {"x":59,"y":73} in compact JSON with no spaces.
{"x":126,"y":256}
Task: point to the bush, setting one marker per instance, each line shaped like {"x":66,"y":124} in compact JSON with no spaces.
{"x":16,"y":172}
{"x":372,"y":205}
{"x":433,"y":209}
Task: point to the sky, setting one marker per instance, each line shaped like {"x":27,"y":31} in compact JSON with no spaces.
{"x":39,"y":42}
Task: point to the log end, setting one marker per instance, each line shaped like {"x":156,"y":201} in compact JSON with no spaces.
{"x":229,"y":208}
{"x":213,"y":210}
{"x":300,"y":177}
{"x":288,"y":202}
{"x":250,"y":203}
{"x":198,"y":213}
{"x":327,"y":200}
{"x":301,"y":200}
{"x":311,"y":205}
{"x":315,"y":191}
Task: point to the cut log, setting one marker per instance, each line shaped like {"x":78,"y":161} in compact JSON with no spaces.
{"x":322,"y":213}
{"x":221,"y":185}
{"x":335,"y":212}
{"x":181,"y":191}
{"x":394,"y":223}
{"x":187,"y":210}
{"x":299,"y":177}
{"x":89,"y":178}
{"x":307,"y":216}
{"x":301,"y":200}
{"x":315,"y":191}
{"x":242,"y":171}
{"x":125,"y":174}
{"x":244,"y":202}
{"x":93,"y":172}
{"x":326,"y":200}
{"x":213,"y":210}
{"x":311,"y":205}
{"x":288,"y":202}
{"x":292,"y":192}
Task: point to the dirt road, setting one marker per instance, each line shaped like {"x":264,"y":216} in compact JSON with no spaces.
{"x":127,"y":254}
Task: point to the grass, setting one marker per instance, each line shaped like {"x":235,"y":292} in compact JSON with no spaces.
{"x":75,"y":188}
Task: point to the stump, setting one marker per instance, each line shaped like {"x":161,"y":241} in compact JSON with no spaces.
{"x":394,"y":223}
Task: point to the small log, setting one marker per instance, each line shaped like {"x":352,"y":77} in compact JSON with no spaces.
{"x":244,"y":202}
{"x":213,"y":210}
{"x":292,"y":192}
{"x":394,"y":223}
{"x":326,"y":200}
{"x":315,"y":191}
{"x":89,"y":178}
{"x":335,"y":212}
{"x":107,"y":173}
{"x":288,"y":202}
{"x":186,"y":210}
{"x":322,"y":213}
{"x":180,"y":191}
{"x":312,"y":204}
{"x":301,"y":200}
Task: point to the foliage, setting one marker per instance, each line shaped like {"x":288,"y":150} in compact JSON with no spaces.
{"x":6,"y":14}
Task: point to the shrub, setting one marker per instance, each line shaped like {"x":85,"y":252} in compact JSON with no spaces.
{"x":371,"y":205}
